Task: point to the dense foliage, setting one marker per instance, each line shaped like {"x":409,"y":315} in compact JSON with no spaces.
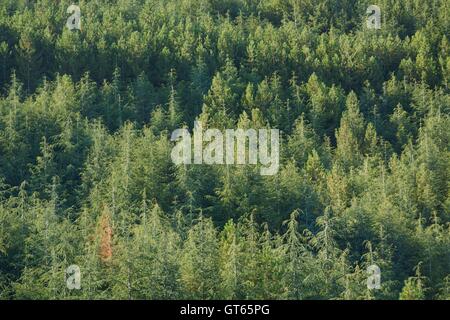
{"x":86,"y":176}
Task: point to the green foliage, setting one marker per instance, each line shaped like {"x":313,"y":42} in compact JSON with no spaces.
{"x":86,"y":176}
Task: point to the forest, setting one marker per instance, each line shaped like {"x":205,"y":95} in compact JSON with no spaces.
{"x":86,"y":176}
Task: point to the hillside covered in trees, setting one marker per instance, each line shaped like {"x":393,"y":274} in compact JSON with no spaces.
{"x":86,"y":176}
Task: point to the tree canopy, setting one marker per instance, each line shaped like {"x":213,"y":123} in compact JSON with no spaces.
{"x":86,"y":176}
